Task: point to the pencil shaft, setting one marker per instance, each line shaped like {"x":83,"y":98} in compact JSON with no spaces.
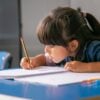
{"x":24,"y":48}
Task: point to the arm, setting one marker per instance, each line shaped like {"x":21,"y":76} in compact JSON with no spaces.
{"x":39,"y":60}
{"x":93,"y":55}
{"x":94,"y":66}
{"x":77,"y":66}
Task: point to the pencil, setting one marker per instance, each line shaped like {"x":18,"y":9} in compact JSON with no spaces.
{"x":24,"y":48}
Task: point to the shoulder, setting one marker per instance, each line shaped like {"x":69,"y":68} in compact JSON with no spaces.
{"x":93,"y":45}
{"x":93,"y":49}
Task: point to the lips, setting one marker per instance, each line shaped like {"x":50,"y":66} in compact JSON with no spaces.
{"x":48,"y":55}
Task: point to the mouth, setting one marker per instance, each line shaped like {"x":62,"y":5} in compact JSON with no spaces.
{"x":54,"y":60}
{"x":48,"y":55}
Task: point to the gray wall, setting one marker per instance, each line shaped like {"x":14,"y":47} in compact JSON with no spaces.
{"x":32,"y":12}
{"x":92,"y":6}
{"x":10,"y":29}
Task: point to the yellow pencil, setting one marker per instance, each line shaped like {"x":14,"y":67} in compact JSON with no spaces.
{"x":24,"y":48}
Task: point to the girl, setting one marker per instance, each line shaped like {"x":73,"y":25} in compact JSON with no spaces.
{"x":71,"y":38}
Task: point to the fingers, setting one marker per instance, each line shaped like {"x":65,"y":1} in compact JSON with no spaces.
{"x":71,"y":66}
{"x":26,"y":64}
{"x":67,"y":66}
{"x":74,"y":66}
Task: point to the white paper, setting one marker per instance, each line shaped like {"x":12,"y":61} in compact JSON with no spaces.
{"x":60,"y":78}
{"x":9,"y":97}
{"x":47,"y":75}
{"x":16,"y":73}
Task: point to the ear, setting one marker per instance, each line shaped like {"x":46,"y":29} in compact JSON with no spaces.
{"x":73,"y":45}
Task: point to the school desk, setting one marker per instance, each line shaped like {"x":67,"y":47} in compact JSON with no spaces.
{"x":37,"y":91}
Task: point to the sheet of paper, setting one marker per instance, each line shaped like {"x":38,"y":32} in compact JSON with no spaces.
{"x":16,"y":73}
{"x":47,"y":75}
{"x":9,"y":97}
{"x":60,"y":78}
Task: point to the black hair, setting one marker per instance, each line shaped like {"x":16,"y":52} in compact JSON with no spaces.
{"x":94,"y":24}
{"x":65,"y":24}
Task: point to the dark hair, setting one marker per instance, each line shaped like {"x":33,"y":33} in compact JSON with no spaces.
{"x":94,"y":24}
{"x":65,"y":24}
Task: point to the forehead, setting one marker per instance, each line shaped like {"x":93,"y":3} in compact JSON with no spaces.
{"x":55,"y":46}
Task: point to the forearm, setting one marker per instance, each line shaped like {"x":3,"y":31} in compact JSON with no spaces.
{"x":40,"y":60}
{"x":82,"y":67}
{"x":94,"y":67}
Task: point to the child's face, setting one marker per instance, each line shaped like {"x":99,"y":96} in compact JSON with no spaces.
{"x":56,"y":53}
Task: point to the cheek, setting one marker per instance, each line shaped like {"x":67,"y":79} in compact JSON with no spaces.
{"x":61,"y":52}
{"x":59,"y":55}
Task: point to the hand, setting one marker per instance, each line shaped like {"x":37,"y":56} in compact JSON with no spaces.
{"x":77,"y":66}
{"x":28,"y":64}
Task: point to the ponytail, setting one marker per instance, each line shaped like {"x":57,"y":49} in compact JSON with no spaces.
{"x":94,"y":24}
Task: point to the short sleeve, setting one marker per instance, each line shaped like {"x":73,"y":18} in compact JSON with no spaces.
{"x":94,"y":51}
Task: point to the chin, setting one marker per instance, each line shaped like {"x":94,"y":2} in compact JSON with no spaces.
{"x":56,"y":61}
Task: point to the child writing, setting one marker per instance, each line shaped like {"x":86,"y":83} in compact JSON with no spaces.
{"x":71,"y":39}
